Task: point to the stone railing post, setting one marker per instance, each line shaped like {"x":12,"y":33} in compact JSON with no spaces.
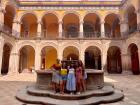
{"x":37,"y":60}
{"x":126,"y":61}
{"x":39,"y":29}
{"x":124,"y":28}
{"x":1,"y":52}
{"x":103,"y":29}
{"x":60,"y":29}
{"x":14,"y":63}
{"x":96,"y":61}
{"x":104,"y":59}
{"x":138,"y":19}
{"x":16,"y":28}
{"x":81,"y":29}
{"x":2,"y":12}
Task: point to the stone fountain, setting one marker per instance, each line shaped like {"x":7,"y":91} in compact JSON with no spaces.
{"x":97,"y":92}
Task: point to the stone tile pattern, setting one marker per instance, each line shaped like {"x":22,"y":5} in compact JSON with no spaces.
{"x":128,"y":83}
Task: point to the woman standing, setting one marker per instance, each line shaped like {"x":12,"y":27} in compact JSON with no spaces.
{"x":81,"y":77}
{"x":71,"y":80}
{"x":63,"y":73}
{"x":56,"y":79}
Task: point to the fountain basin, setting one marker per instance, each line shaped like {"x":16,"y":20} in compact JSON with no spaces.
{"x":95,"y":79}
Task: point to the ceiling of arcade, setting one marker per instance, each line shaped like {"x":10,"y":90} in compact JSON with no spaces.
{"x":92,"y":17}
{"x":29,"y":19}
{"x":49,"y":18}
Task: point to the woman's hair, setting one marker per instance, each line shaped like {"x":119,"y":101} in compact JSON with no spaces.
{"x":64,"y":66}
{"x":72,"y":65}
{"x":80,"y":63}
{"x":82,"y":66}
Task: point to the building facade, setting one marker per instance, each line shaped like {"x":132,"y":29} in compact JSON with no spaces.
{"x":103,"y":34}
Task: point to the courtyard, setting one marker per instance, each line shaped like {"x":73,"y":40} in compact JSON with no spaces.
{"x":103,"y":34}
{"x":128,"y":83}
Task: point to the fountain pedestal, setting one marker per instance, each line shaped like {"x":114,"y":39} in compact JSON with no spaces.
{"x":97,"y":91}
{"x":95,"y":79}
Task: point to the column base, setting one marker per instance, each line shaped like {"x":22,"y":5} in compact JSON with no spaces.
{"x":13,"y":73}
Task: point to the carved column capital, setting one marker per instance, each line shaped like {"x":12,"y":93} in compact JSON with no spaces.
{"x":60,"y":22}
{"x":40,"y":22}
{"x":2,"y":10}
{"x":16,"y":21}
{"x":81,"y":22}
{"x":137,"y":11}
{"x":123,"y":22}
{"x":15,"y":54}
{"x":102,"y":22}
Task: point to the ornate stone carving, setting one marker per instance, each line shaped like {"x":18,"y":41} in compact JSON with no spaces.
{"x":2,"y":10}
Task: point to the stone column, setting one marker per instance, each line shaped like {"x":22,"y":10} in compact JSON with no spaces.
{"x":37,"y":60}
{"x":138,"y":19}
{"x":60,"y":53}
{"x":39,"y":29}
{"x":82,"y":57}
{"x":2,"y":12}
{"x":124,"y":28}
{"x":96,"y":62}
{"x":14,"y":63}
{"x":104,"y":60}
{"x":16,"y":28}
{"x":139,"y":55}
{"x":60,"y":29}
{"x":60,"y":56}
{"x":1,"y":52}
{"x":103,"y":29}
{"x":126,"y":62}
{"x":81,"y":29}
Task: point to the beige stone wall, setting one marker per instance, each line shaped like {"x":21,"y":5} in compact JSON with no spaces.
{"x":81,"y":45}
{"x":60,"y":45}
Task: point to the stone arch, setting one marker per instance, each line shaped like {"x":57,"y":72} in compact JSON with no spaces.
{"x":112,"y":25}
{"x":115,"y":13}
{"x":93,"y":57}
{"x":134,"y":55}
{"x":118,"y":45}
{"x":74,"y":44}
{"x":92,"y":12}
{"x":10,"y":13}
{"x":70,"y":53}
{"x":9,"y":42}
{"x":11,"y":4}
{"x":7,"y":48}
{"x":91,"y":26}
{"x":129,"y":6}
{"x":25,"y":43}
{"x":26,"y":59}
{"x":114,"y":62}
{"x":131,"y":17}
{"x":29,"y":25}
{"x":50,"y":25}
{"x":45,"y":44}
{"x":50,"y":12}
{"x":71,"y":12}
{"x":71,"y":25}
{"x":27,"y":12}
{"x":48,"y":56}
{"x":88,"y":44}
{"x":133,"y":41}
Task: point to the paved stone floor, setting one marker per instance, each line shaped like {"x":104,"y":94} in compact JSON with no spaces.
{"x":10,"y":84}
